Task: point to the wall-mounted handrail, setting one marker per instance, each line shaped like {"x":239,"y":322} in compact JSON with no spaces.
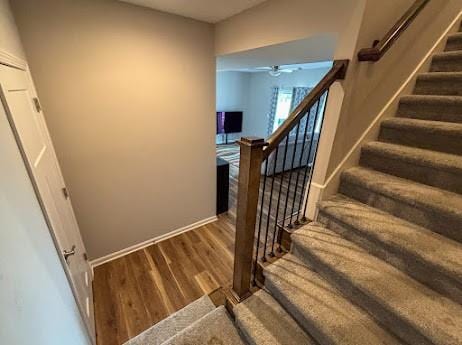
{"x":337,"y":72}
{"x":379,"y":49}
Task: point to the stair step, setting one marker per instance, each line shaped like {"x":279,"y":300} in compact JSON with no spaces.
{"x":454,"y":42}
{"x":214,"y":328}
{"x":436,"y":108}
{"x":323,"y":312}
{"x":262,"y":320}
{"x":441,"y":170}
{"x":447,"y":62}
{"x":414,"y":312}
{"x":432,"y":135}
{"x":439,"y":83}
{"x":425,"y":255}
{"x":430,"y":207}
{"x":175,"y":323}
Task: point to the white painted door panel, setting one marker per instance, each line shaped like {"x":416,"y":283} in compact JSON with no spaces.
{"x":34,"y":140}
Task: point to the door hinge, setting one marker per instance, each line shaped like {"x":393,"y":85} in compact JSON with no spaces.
{"x":38,"y":107}
{"x":65,"y":193}
{"x":85,"y":256}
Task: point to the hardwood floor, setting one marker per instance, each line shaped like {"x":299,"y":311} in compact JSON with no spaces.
{"x":140,"y":289}
{"x":284,"y":193}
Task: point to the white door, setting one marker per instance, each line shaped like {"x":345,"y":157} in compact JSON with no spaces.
{"x":27,"y":121}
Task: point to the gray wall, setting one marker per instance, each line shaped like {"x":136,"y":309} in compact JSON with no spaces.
{"x":128,"y":95}
{"x":36,"y":303}
{"x":251,"y":92}
{"x":232,"y":90}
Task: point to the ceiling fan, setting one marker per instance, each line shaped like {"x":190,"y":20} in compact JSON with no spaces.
{"x":276,"y":71}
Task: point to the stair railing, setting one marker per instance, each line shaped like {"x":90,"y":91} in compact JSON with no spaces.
{"x":380,"y":47}
{"x":274,"y":182}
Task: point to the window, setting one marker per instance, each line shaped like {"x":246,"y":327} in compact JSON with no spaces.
{"x":283,"y":105}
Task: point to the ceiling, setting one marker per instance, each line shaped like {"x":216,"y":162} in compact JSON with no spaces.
{"x":317,"y":48}
{"x":211,"y":11}
{"x":290,"y":67}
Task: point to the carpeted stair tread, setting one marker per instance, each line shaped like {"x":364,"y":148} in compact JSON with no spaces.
{"x":454,"y":42}
{"x":439,"y":83}
{"x":215,"y":328}
{"x":447,"y":62}
{"x":437,"y":169}
{"x":262,"y":320}
{"x":424,"y":254}
{"x":431,"y":107}
{"x":432,"y":135}
{"x":417,"y":156}
{"x":414,"y":312}
{"x":440,"y":127}
{"x":175,"y":323}
{"x":323,"y":312}
{"x":433,"y":208}
{"x":414,"y":193}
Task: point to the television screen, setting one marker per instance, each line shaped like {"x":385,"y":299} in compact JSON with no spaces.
{"x":229,"y":122}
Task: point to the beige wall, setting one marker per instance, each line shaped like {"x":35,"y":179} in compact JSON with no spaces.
{"x":33,"y":282}
{"x":9,"y":39}
{"x":369,"y":86}
{"x":279,"y":21}
{"x":129,"y":97}
{"x":357,"y":24}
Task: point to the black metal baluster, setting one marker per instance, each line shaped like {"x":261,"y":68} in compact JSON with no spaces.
{"x":290,"y":176}
{"x":315,"y":151}
{"x":307,"y":167}
{"x":300,"y":161}
{"x":271,"y":199}
{"x":262,"y":200}
{"x":275,"y":231}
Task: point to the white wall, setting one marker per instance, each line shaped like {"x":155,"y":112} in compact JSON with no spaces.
{"x":279,"y":21}
{"x":129,"y":98}
{"x":232,"y":91}
{"x":37,"y":305}
{"x":9,"y":40}
{"x":251,"y":92}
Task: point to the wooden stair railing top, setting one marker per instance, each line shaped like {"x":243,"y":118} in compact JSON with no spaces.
{"x":337,"y":72}
{"x":253,"y":152}
{"x":379,"y":48}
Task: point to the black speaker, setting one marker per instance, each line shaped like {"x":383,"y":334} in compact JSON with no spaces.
{"x":222,"y":185}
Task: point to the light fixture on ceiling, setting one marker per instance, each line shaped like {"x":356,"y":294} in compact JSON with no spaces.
{"x":275,"y":71}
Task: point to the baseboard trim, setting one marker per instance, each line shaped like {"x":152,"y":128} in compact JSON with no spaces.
{"x":107,"y":258}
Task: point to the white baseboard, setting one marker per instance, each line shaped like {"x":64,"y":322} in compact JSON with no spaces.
{"x":104,"y":259}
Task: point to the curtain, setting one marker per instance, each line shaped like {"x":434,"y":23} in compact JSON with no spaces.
{"x":272,"y":112}
{"x":298,"y":94}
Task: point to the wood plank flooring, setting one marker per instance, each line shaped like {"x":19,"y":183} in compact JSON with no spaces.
{"x":138,"y":290}
{"x":286,"y":197}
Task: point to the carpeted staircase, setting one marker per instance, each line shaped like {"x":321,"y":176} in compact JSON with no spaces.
{"x":383,"y":262}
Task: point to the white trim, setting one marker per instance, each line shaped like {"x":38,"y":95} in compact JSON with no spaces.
{"x":357,"y":146}
{"x":134,"y":248}
{"x":12,"y":60}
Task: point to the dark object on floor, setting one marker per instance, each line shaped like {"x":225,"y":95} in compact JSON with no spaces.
{"x":222,"y":185}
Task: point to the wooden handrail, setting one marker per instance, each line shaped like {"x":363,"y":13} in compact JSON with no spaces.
{"x":379,"y":48}
{"x":337,"y":72}
{"x":253,"y":151}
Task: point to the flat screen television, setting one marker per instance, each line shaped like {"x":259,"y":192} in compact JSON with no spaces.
{"x":229,"y":122}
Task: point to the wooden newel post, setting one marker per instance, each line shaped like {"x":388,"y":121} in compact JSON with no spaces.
{"x":247,"y":203}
